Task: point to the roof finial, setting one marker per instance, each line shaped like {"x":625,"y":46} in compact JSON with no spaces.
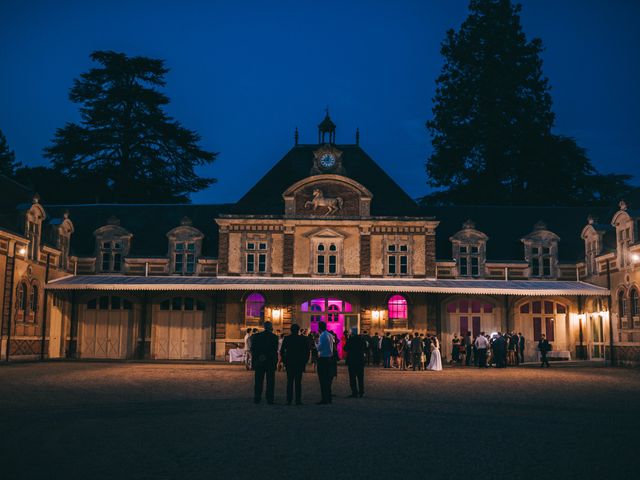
{"x":357,"y":136}
{"x":327,"y":128}
{"x":295,"y":137}
{"x":623,"y":205}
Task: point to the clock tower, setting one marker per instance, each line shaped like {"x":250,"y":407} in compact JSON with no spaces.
{"x":327,"y":158}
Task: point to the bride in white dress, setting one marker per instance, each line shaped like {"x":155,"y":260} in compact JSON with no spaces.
{"x":435,"y":363}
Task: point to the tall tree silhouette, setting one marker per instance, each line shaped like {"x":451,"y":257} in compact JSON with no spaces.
{"x":125,"y":146}
{"x":492,"y":122}
{"x":8,"y":164}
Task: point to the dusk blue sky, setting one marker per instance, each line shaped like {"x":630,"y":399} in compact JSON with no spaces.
{"x":244,"y":74}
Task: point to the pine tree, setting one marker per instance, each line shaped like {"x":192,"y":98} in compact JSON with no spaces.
{"x":492,"y":121}
{"x":125,"y":146}
{"x":8,"y":164}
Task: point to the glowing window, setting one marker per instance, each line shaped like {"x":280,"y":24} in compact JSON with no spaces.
{"x":398,"y":307}
{"x":254,"y":307}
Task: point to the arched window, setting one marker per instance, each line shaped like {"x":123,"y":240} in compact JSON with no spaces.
{"x":33,"y":299}
{"x":398,"y":309}
{"x":254,"y":309}
{"x":622,"y":304}
{"x":21,"y":300}
{"x":333,"y":312}
{"x":635,"y":302}
{"x":470,"y":315}
{"x":543,"y":315}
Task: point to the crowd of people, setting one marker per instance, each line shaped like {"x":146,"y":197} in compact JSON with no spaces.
{"x":415,"y":351}
{"x":498,"y":349}
{"x":266,"y":352}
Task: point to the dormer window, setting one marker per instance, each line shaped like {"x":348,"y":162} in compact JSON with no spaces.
{"x":469,"y":250}
{"x":540,"y":261}
{"x":113,"y":243}
{"x":541,"y":251}
{"x":33,"y":228}
{"x":469,"y":260}
{"x":63,"y":238}
{"x":111,"y":254}
{"x":592,"y":250}
{"x":185,"y":246}
{"x":625,"y":234}
{"x":184,"y":258}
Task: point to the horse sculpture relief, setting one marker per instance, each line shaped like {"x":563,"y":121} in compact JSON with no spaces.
{"x":332,"y":205}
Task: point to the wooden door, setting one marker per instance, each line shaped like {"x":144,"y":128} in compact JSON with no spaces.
{"x":55,"y":332}
{"x":104,"y":333}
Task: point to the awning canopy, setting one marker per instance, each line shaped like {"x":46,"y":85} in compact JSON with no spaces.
{"x":475,"y":287}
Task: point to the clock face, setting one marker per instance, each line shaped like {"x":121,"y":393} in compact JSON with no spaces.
{"x":327,"y":160}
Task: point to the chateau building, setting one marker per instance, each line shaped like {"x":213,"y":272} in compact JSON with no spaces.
{"x":327,"y":235}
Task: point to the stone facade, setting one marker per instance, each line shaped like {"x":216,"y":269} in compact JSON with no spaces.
{"x":339,"y":222}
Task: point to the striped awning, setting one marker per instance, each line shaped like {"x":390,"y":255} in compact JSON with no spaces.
{"x":476,"y":287}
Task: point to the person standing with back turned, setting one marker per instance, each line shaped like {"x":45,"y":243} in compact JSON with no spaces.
{"x":355,"y":348}
{"x":325,"y":347}
{"x":295,"y":355}
{"x":264,"y":353}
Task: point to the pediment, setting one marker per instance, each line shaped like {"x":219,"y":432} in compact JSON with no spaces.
{"x":112,"y":231}
{"x":324,"y":233}
{"x":185,"y":232}
{"x":327,"y":195}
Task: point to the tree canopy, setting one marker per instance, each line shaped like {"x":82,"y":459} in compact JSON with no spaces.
{"x":492,"y":122}
{"x":8,"y":163}
{"x":125,"y":147}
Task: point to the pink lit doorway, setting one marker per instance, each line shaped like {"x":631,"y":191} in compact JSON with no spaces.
{"x":337,"y":314}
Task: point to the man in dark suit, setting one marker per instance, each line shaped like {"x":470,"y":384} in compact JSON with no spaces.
{"x":386,"y":345}
{"x":295,"y":355}
{"x":521,"y":343}
{"x":545,"y":347}
{"x":367,"y":347}
{"x":355,"y":348}
{"x":468,"y":348}
{"x":416,"y":351}
{"x":264,"y":352}
{"x":375,"y":349}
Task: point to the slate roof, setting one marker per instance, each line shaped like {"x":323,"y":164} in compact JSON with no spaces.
{"x":490,"y":287}
{"x":149,"y":225}
{"x":265,"y":197}
{"x":506,"y":225}
{"x":12,"y":194}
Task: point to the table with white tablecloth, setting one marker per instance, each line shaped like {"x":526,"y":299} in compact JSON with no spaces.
{"x":236,"y":355}
{"x":557,"y":355}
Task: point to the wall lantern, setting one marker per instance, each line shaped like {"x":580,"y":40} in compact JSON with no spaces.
{"x":276,"y":314}
{"x":22,"y":251}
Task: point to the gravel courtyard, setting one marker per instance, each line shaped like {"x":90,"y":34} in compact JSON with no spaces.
{"x":143,"y":420}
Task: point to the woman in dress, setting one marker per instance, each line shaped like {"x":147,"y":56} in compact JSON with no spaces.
{"x":455,"y":349}
{"x":435,"y":363}
{"x":394,"y":352}
{"x":401,"y":348}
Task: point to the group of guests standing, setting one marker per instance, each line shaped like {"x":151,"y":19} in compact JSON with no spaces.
{"x":500,"y":349}
{"x":415,"y":351}
{"x":268,"y":350}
